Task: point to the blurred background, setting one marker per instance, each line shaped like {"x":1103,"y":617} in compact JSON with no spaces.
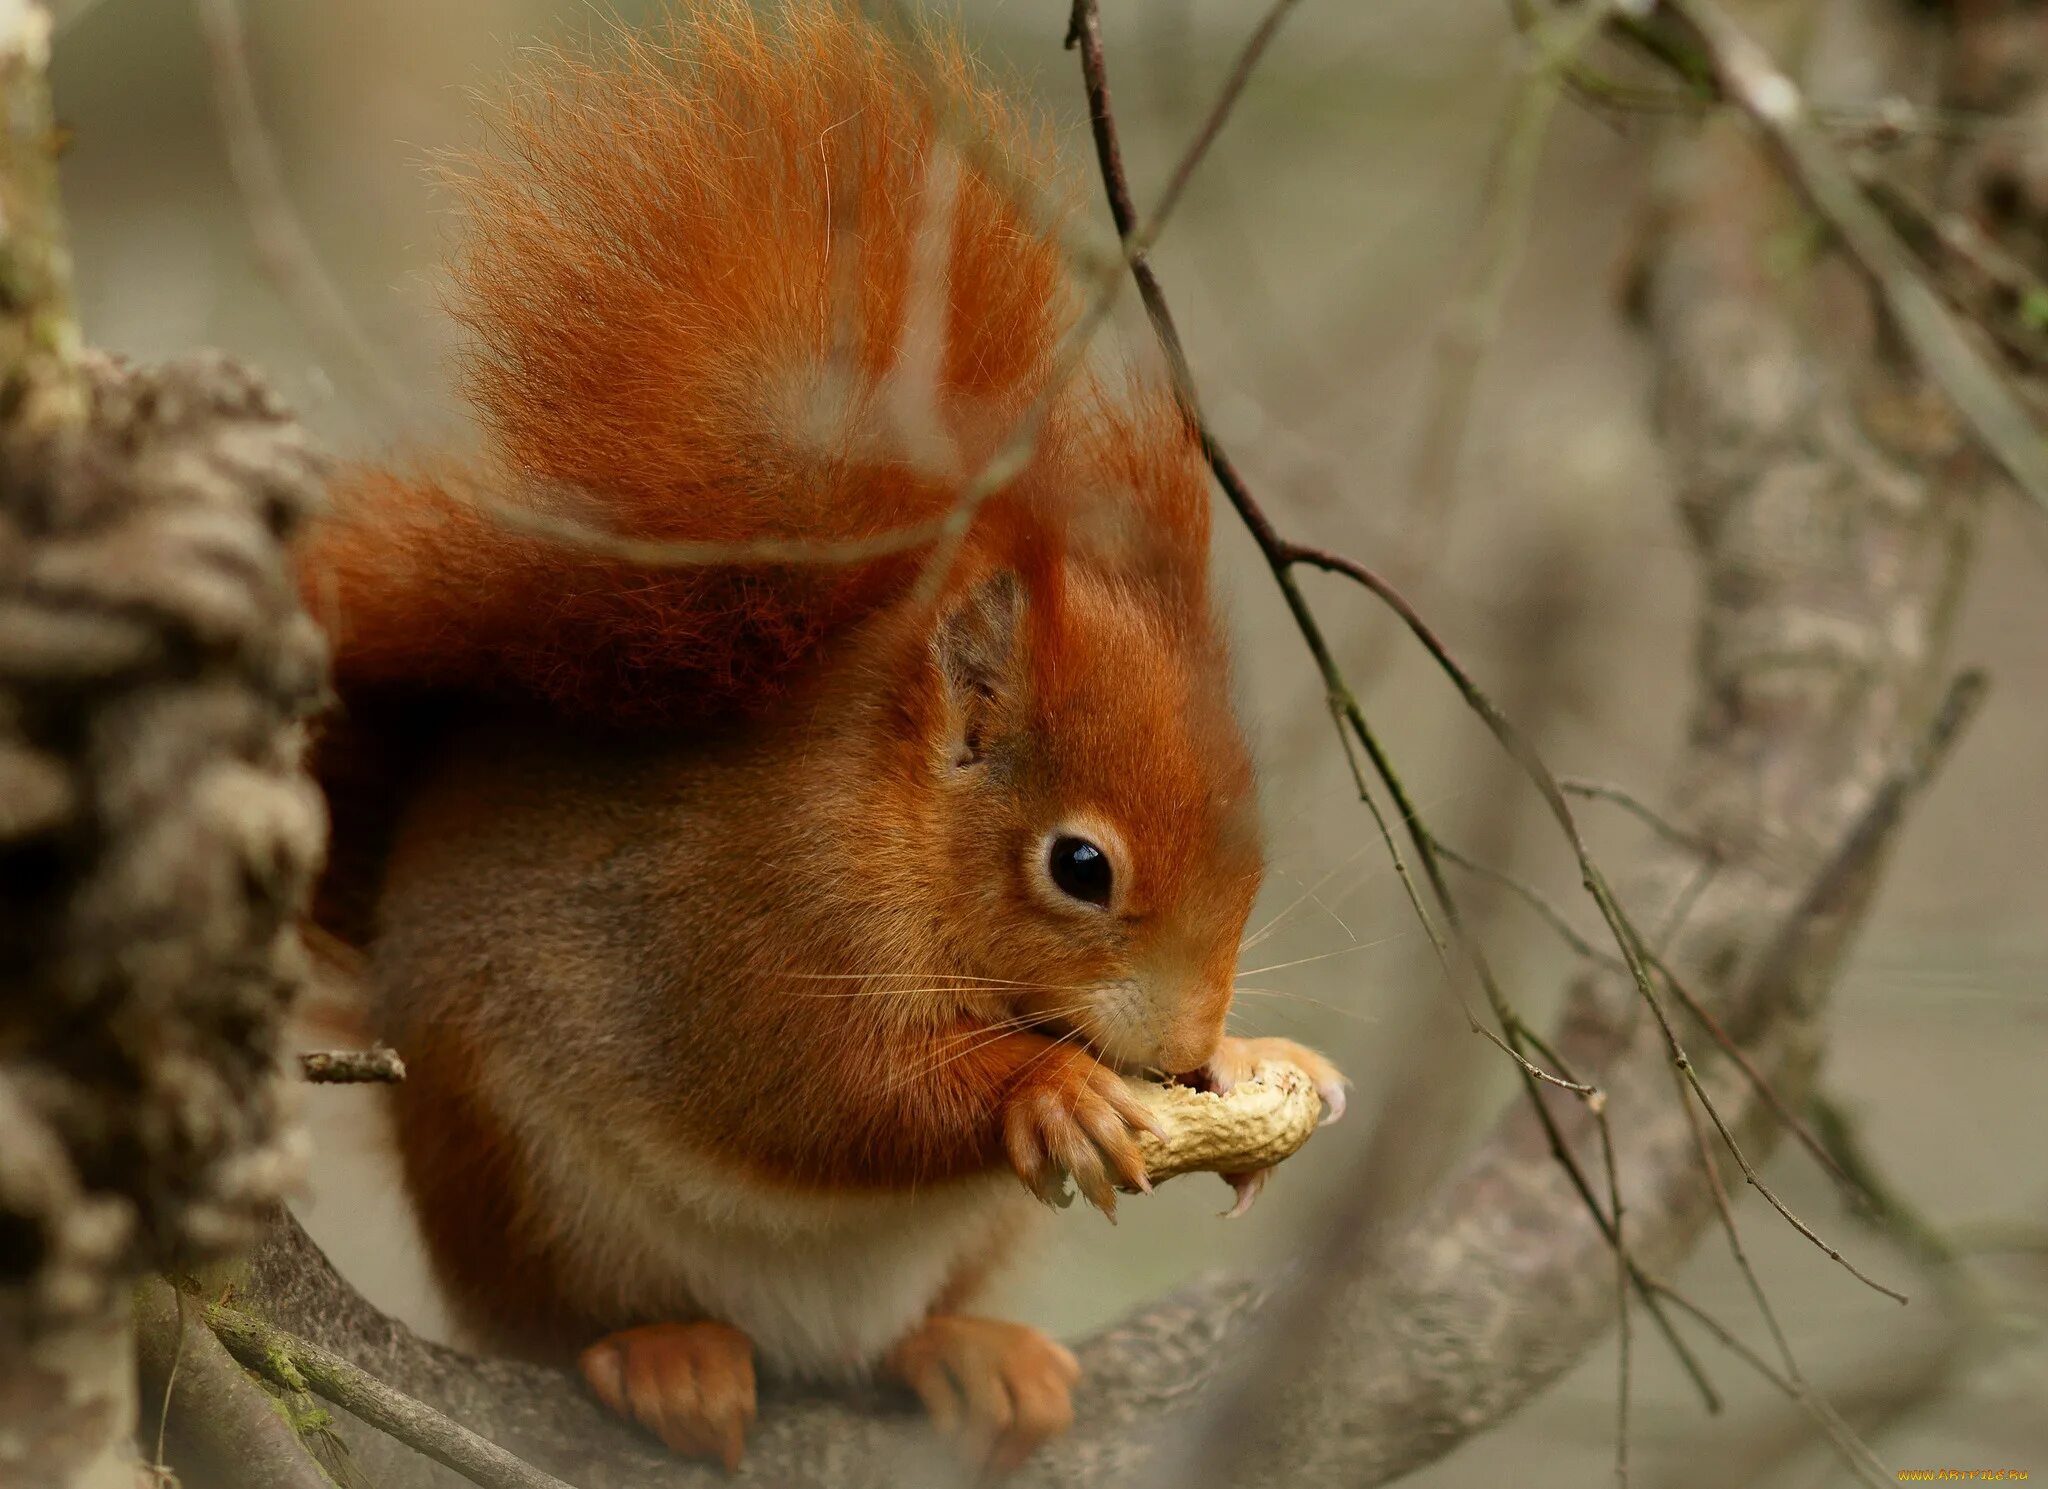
{"x":1318,"y":266}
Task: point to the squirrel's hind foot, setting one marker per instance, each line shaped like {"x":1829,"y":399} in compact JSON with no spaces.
{"x":998,"y":1389}
{"x":691,"y":1385}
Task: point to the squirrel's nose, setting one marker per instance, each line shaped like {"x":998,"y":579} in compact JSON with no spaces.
{"x":1189,"y":1046}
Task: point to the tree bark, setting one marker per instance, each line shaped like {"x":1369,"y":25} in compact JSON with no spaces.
{"x":157,"y":832}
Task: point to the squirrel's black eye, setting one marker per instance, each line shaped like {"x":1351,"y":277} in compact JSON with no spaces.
{"x":1080,"y":869}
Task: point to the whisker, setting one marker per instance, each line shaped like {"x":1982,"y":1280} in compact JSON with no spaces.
{"x":892,"y":992}
{"x":977,"y":1040}
{"x":1322,"y":956}
{"x":1273,"y":921}
{"x":1324,"y":1003}
{"x":1336,"y":917}
{"x":1347,"y":889}
{"x":980,"y":1038}
{"x":962,"y":977}
{"x":990,"y":1037}
{"x":1047,"y":1052}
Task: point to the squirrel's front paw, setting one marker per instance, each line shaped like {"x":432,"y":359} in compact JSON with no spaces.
{"x":691,"y":1385}
{"x":1001,"y":1389}
{"x":1069,"y":1115}
{"x":1235,"y":1060}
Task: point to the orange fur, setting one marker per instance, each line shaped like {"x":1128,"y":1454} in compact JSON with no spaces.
{"x":689,"y":285}
{"x":710,"y":902}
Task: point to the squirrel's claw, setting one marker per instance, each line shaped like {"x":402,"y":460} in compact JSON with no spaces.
{"x":1248,"y":1188}
{"x":998,"y":1389}
{"x":1073,"y":1118}
{"x":691,"y":1385}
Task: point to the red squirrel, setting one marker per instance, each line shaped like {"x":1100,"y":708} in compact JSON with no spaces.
{"x":753,"y":919}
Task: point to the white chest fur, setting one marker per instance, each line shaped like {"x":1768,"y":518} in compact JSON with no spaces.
{"x":823,"y":1283}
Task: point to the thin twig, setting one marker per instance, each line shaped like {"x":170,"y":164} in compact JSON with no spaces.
{"x":1554,"y":45}
{"x":1534,"y":898}
{"x":226,"y":1430}
{"x":346,"y":1067}
{"x":1872,"y":827}
{"x":1530,"y":1070}
{"x":1621,"y":1285}
{"x":261,"y":1348}
{"x":1726,"y":1042}
{"x":1636,"y":807}
{"x":1281,"y":556}
{"x":1626,"y":1268}
{"x":1561,"y":1153}
{"x":1758,"y":1081}
{"x":1749,"y":79}
{"x":1633,"y":949}
{"x":1726,"y":1337}
{"x":1248,"y":57}
{"x":1692,"y":1078}
{"x":163,"y":1417}
{"x":1850,"y":1448}
{"x":1085,"y":33}
{"x":1875,"y":1195}
{"x":284,"y":249}
{"x":41,"y":390}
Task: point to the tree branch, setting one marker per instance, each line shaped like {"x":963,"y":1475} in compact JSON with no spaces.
{"x":1950,"y":351}
{"x":203,"y":1411}
{"x":40,"y":388}
{"x":352,"y":1067}
{"x":291,"y":1361}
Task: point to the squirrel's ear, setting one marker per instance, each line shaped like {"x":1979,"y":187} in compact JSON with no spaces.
{"x":979,"y":649}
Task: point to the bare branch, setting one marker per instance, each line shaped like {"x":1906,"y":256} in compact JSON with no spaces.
{"x":1636,"y":807}
{"x":284,"y":251}
{"x":221,"y":1427}
{"x":273,"y":1352}
{"x":1554,"y":44}
{"x":40,"y":387}
{"x":1749,"y":79}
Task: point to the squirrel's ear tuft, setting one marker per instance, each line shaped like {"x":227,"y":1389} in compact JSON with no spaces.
{"x":979,"y":647}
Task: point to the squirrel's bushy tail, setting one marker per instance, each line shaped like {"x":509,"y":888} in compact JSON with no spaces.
{"x":734,"y":285}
